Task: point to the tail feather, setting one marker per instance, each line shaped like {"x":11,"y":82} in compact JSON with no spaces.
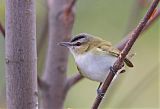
{"x":128,"y":62}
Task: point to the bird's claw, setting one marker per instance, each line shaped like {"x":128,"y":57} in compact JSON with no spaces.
{"x":112,"y":70}
{"x":100,"y":93}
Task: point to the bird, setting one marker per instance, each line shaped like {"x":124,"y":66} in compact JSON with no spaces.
{"x":94,"y":56}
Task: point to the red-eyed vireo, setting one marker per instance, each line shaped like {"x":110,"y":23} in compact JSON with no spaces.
{"x":93,"y":56}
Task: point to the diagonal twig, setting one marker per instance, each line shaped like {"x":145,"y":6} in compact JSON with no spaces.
{"x":120,"y":46}
{"x":151,"y":21}
{"x":117,"y":65}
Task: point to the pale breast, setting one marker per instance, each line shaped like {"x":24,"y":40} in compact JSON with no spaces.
{"x":94,"y":66}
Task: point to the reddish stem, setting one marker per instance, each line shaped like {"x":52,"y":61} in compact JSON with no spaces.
{"x":133,"y":36}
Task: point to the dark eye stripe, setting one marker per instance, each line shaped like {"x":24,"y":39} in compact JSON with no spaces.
{"x":77,"y":38}
{"x":78,"y":44}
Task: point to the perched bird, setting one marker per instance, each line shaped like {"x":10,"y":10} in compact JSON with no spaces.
{"x":93,"y":56}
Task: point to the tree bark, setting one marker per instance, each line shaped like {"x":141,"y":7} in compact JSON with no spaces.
{"x":61,"y":18}
{"x":20,"y":55}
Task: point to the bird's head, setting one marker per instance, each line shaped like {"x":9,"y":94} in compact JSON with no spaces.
{"x":81,"y":43}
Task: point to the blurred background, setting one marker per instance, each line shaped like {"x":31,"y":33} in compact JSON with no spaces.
{"x":111,"y":20}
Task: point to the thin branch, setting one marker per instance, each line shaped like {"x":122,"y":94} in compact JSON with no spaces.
{"x":118,"y":64}
{"x":2,"y":30}
{"x":151,"y":21}
{"x":69,"y":7}
{"x":121,"y":45}
{"x":67,"y":11}
{"x":144,"y":3}
{"x":73,"y":80}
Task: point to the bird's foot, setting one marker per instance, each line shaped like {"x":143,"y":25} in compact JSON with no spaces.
{"x":112,"y":70}
{"x":100,"y":93}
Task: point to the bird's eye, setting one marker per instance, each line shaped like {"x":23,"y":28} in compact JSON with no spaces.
{"x":78,"y":44}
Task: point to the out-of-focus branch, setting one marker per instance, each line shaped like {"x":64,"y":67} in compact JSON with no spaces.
{"x":77,"y":77}
{"x":69,"y":6}
{"x":151,"y":21}
{"x":144,"y":3}
{"x":61,"y":18}
{"x":68,"y":11}
{"x":2,"y":30}
{"x":73,"y":80}
{"x":118,"y":64}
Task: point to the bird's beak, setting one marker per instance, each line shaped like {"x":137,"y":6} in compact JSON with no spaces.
{"x":66,"y":44}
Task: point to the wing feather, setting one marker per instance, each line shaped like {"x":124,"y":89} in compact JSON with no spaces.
{"x":114,"y":52}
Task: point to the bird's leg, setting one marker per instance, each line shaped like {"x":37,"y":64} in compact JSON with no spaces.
{"x":122,"y":70}
{"x":112,"y":70}
{"x":99,"y":91}
{"x":99,"y":87}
